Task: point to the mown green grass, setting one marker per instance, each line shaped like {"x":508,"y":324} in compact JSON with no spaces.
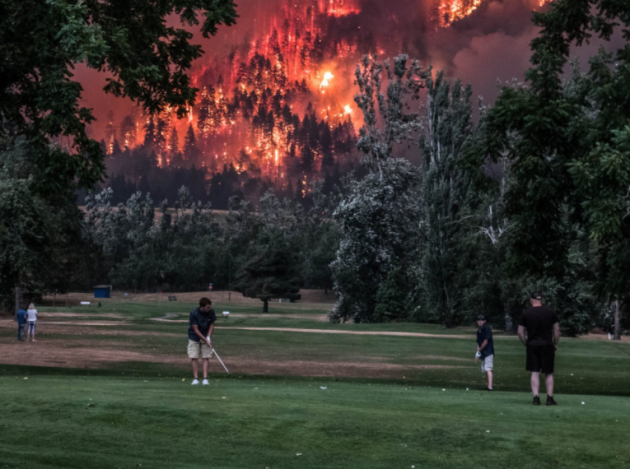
{"x":583,"y":366}
{"x":54,"y":421}
{"x":141,"y":414}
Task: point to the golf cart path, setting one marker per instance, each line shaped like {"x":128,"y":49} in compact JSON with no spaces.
{"x":308,"y":317}
{"x":334,"y":331}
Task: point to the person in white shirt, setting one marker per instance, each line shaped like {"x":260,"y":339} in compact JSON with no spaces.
{"x":31,"y":320}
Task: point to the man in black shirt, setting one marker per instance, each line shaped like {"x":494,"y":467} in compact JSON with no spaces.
{"x":543,"y":334}
{"x":485,"y":349}
{"x":199,"y":334}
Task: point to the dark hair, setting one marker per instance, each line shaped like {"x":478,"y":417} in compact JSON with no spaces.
{"x":536,"y":296}
{"x":205,"y":301}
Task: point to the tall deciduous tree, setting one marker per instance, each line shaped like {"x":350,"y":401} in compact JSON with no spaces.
{"x":378,"y":216}
{"x":385,"y":121}
{"x":378,"y":220}
{"x":569,"y":159}
{"x":40,"y":233}
{"x":447,"y":199}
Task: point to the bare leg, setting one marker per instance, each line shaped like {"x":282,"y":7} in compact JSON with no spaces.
{"x":489,"y":373}
{"x":549,"y":384}
{"x":195,"y":366}
{"x":535,"y":382}
{"x":205,"y":368}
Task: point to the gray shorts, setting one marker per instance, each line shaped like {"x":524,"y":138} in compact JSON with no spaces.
{"x":487,"y":364}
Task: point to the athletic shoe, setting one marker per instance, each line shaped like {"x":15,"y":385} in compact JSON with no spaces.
{"x":551,"y":401}
{"x":195,"y":382}
{"x":536,"y":400}
{"x":489,"y":389}
{"x":205,"y":382}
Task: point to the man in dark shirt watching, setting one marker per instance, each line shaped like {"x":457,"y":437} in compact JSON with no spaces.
{"x":485,"y":349}
{"x":543,"y":334}
{"x":199,"y":334}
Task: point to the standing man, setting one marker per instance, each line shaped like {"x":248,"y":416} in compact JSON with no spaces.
{"x":543,"y":334}
{"x":199,"y":334}
{"x":485,"y":349}
{"x":21,"y":320}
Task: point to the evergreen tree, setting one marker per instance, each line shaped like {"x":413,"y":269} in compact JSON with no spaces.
{"x":110,"y":132}
{"x":271,"y":272}
{"x":190,"y":150}
{"x":173,"y":143}
{"x":149,"y":132}
{"x":128,"y":132}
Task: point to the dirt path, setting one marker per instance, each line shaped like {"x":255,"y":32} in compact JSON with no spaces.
{"x":85,"y":354}
{"x":307,"y":317}
{"x":334,"y":331}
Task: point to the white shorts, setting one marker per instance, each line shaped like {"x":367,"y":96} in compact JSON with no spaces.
{"x":487,"y":364}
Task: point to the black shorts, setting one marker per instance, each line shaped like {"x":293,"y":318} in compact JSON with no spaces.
{"x":540,"y":358}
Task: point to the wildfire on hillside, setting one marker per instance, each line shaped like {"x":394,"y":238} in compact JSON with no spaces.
{"x":280,"y":104}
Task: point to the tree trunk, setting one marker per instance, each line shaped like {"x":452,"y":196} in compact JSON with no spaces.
{"x":18,"y":300}
{"x":617,"y":321}
{"x":265,"y":306}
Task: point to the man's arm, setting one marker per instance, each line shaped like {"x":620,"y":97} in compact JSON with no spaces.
{"x":198,"y":332}
{"x":556,"y":335}
{"x":521,"y":334}
{"x":479,"y":349}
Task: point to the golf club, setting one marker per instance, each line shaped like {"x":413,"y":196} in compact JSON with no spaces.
{"x":226,"y":370}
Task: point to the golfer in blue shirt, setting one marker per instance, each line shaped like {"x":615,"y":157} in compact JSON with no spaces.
{"x":485,"y":349}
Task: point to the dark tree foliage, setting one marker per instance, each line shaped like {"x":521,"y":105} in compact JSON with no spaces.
{"x":40,"y":43}
{"x":271,"y":273}
{"x":570,"y":162}
{"x":378,"y":220}
{"x":41,"y":249}
{"x":146,"y":58}
{"x":447,"y":201}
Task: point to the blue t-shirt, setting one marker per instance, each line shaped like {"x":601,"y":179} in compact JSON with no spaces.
{"x":21,"y":317}
{"x":202,"y":321}
{"x":484,"y":333}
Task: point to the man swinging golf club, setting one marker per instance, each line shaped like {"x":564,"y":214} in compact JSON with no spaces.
{"x":543,"y":334}
{"x":199,"y":338}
